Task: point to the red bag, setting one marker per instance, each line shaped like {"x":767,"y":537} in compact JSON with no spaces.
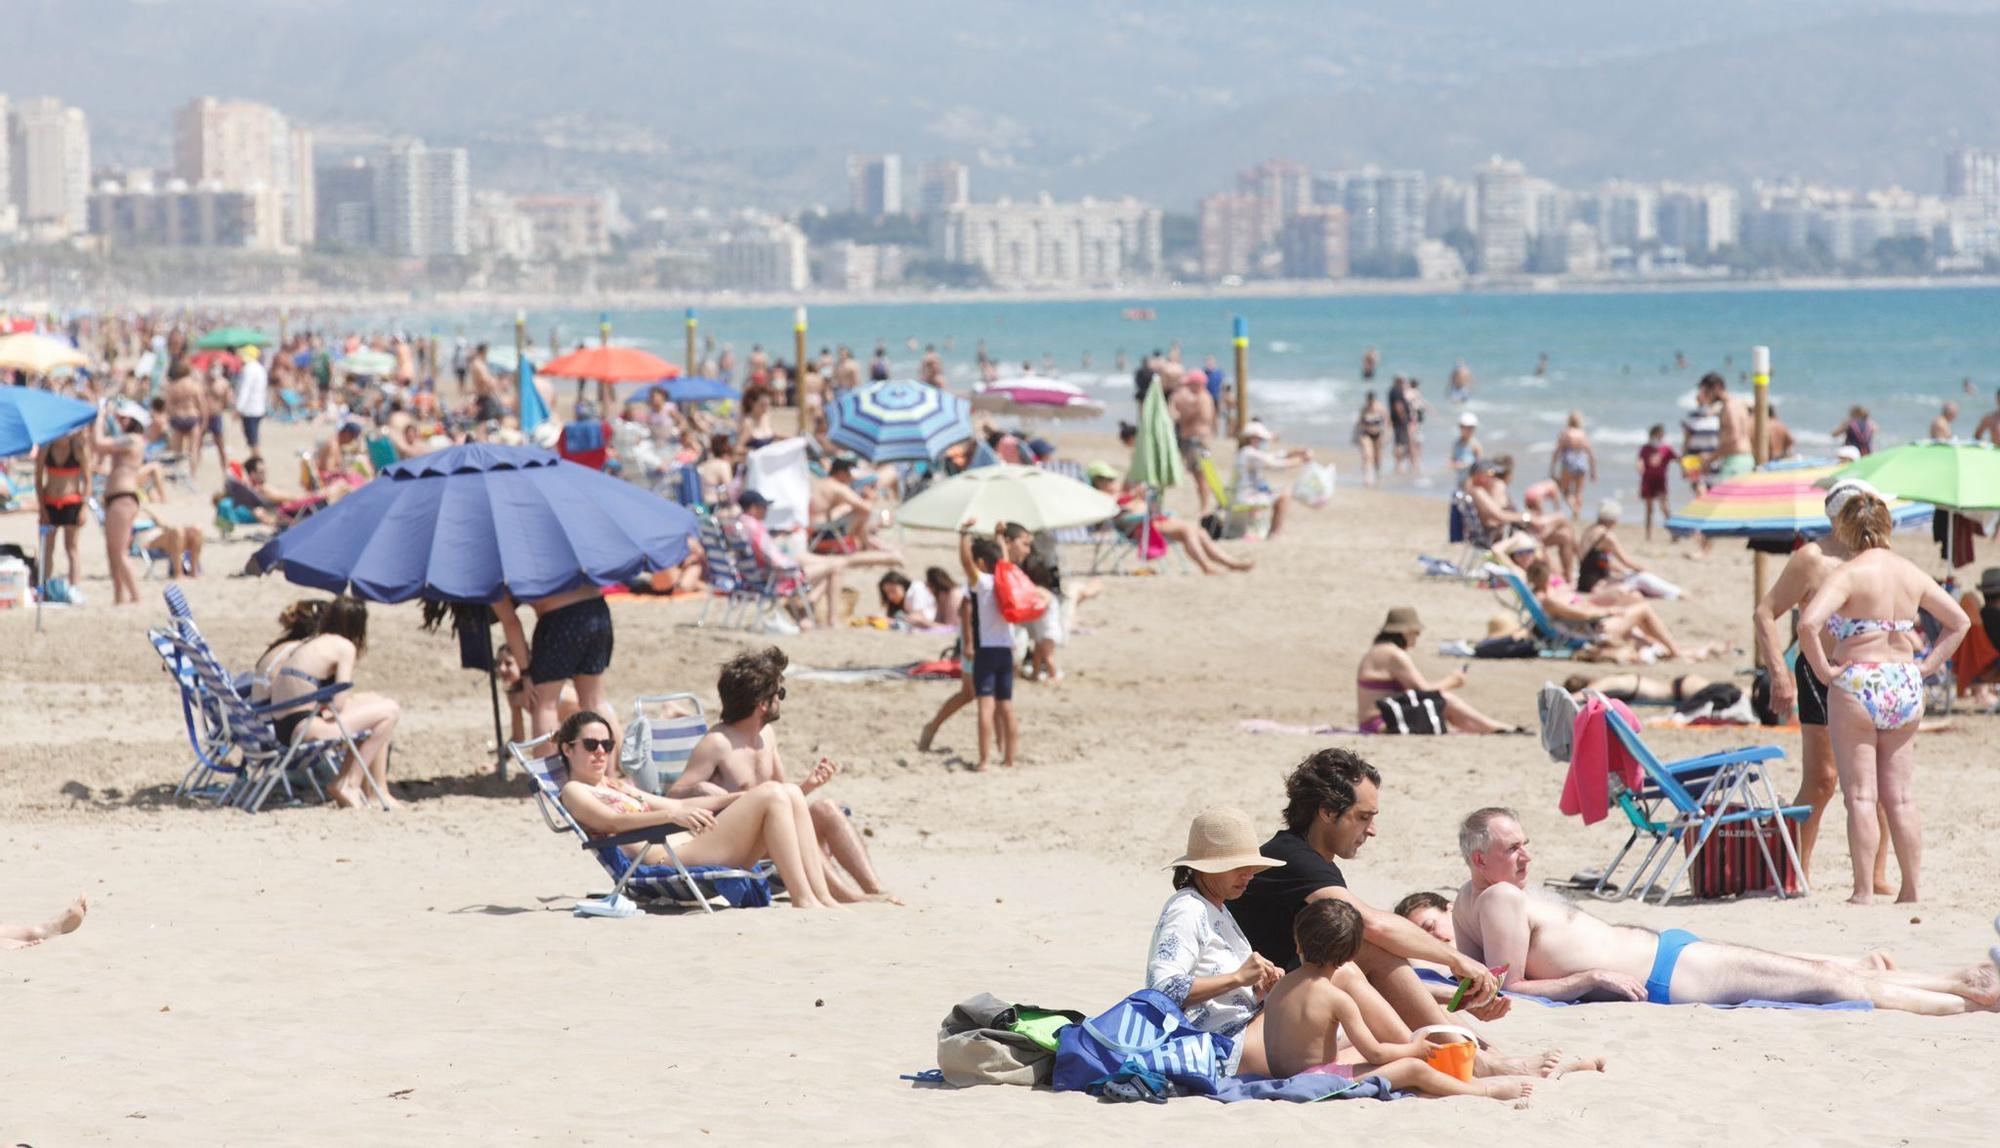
{"x":1732,"y":863}
{"x":1020,"y":599}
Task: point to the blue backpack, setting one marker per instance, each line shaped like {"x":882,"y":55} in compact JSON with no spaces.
{"x":1143,"y":1040}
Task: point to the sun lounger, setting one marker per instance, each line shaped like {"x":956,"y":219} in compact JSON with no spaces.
{"x":674,"y":883}
{"x":1549,"y":634}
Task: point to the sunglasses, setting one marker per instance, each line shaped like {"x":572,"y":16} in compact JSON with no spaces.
{"x":780,"y":695}
{"x":596,"y":744}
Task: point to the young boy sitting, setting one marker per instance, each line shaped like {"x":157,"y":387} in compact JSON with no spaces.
{"x":1308,"y":1012}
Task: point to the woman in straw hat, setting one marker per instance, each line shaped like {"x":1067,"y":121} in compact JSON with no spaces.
{"x":1387,"y":669}
{"x":1199,"y":958}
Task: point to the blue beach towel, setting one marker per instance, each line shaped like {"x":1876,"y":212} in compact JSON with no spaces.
{"x":1305,"y":1088}
{"x":1834,"y":1006}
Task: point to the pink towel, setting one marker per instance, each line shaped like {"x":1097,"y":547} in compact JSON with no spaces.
{"x":1595,"y":754}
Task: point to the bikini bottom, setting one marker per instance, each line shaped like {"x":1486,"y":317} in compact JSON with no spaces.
{"x":1891,"y":692}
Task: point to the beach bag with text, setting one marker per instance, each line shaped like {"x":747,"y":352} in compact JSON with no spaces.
{"x":1732,"y":863}
{"x":1019,"y":598}
{"x":1412,"y":711}
{"x":1143,"y":1038}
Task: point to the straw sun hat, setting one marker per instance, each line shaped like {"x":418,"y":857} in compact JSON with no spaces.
{"x":1222,"y":839}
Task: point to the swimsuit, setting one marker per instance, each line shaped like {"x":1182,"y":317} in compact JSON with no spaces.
{"x":1664,"y":959}
{"x":1594,"y":567}
{"x":1374,"y":723}
{"x":1812,"y":693}
{"x":572,"y":642}
{"x":1371,"y":425}
{"x":287,"y":724}
{"x":118,"y":494}
{"x":63,"y":509}
{"x":1891,"y":692}
{"x":1575,"y":461}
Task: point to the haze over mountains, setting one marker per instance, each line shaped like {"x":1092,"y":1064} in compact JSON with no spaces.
{"x":758,"y":102}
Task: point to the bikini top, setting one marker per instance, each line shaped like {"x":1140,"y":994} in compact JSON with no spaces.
{"x":70,"y":467}
{"x":1845,"y":628}
{"x":301,"y":675}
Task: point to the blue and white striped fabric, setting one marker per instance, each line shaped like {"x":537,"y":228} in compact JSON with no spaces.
{"x":898,"y":421}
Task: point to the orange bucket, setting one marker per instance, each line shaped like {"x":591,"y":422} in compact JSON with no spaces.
{"x":1450,"y":1049}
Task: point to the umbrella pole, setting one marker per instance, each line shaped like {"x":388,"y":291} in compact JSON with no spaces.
{"x":499,"y":739}
{"x":1760,"y":382}
{"x":42,"y":536}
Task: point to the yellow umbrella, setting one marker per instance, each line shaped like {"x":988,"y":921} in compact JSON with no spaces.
{"x":38,"y":354}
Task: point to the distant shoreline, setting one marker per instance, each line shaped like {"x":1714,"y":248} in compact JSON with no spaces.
{"x":657,"y":300}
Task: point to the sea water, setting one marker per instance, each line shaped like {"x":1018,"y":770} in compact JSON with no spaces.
{"x":1900,"y":353}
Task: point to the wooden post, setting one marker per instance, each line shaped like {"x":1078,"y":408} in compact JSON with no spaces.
{"x":604,"y":386}
{"x":432,"y":366}
{"x":798,"y":354}
{"x":691,"y":325}
{"x":281,"y":328}
{"x":1242,"y":373}
{"x":1760,"y":382}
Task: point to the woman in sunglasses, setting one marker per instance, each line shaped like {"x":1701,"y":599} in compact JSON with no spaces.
{"x":733,"y":829}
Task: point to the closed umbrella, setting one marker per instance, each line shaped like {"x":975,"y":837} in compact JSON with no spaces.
{"x":467,"y":523}
{"x":38,"y":354}
{"x":1156,"y":456}
{"x":897,"y":421}
{"x":611,"y":365}
{"x":1775,"y":503}
{"x":232,"y":338}
{"x":368,"y":362}
{"x":1037,"y":499}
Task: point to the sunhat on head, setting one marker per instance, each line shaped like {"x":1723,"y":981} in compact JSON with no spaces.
{"x":1101,"y":470}
{"x":127,"y":409}
{"x":251,"y":351}
{"x":1848,"y":453}
{"x":1842,"y":492}
{"x":1256,"y":429}
{"x":1468,"y":419}
{"x":1401,"y":620}
{"x":1989,"y":580}
{"x":1500,"y":624}
{"x":1222,"y":839}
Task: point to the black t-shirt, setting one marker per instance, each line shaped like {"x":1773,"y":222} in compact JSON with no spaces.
{"x":1267,"y":908}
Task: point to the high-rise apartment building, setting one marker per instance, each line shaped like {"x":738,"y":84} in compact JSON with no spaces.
{"x":141,"y":215}
{"x":875,"y":184}
{"x":423,"y":201}
{"x":943,"y":185}
{"x":1700,"y":220}
{"x":1228,"y":235}
{"x":1385,"y":216}
{"x":1450,"y":206}
{"x":1970,"y":173}
{"x":345,"y":206}
{"x":763,"y":255}
{"x":1626,"y":213}
{"x":241,"y":145}
{"x":48,"y":146}
{"x":1503,"y":217}
{"x":1044,"y":243}
{"x":1314,"y":243}
{"x":568,"y":226}
{"x":1280,"y":189}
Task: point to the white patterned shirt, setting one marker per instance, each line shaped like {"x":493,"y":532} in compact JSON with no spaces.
{"x":1197,"y":938}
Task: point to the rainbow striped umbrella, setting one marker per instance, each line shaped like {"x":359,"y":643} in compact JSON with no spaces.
{"x":1777,"y":502}
{"x":898,"y":421}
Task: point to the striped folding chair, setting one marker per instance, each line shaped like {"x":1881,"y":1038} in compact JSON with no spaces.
{"x":721,"y":574}
{"x":670,"y":726}
{"x":674,"y":883}
{"x":212,"y":775}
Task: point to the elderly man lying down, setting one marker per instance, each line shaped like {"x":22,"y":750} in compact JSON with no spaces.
{"x":1557,"y":950}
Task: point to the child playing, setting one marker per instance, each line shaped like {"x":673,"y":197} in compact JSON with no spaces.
{"x":992,"y":650}
{"x":1307,"y":1012}
{"x":1655,"y":459}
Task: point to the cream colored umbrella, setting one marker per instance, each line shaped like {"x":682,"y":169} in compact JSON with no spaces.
{"x":1035,"y":498}
{"x":38,"y":354}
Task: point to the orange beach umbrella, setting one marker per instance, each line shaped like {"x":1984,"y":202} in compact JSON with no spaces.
{"x":611,"y":365}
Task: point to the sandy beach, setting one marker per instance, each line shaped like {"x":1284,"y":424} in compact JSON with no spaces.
{"x":307,"y":975}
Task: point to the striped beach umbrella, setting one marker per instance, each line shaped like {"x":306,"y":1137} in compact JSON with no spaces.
{"x":1777,"y":502}
{"x":1035,"y":397}
{"x":898,"y":421}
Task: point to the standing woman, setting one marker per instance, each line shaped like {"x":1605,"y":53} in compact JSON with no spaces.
{"x":1805,"y":571}
{"x":1199,"y":958}
{"x":327,"y":658}
{"x":572,"y":643}
{"x":1876,"y":699}
{"x":62,"y":482}
{"x":1572,"y":462}
{"x":1368,"y":427}
{"x":124,"y":453}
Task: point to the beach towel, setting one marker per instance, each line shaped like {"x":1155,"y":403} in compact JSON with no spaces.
{"x":1831,"y":1006}
{"x":779,"y":473}
{"x":863,"y":675}
{"x":1305,"y":1088}
{"x":1596,"y":754}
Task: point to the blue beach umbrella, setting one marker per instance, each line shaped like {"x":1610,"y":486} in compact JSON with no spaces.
{"x":898,"y":421}
{"x":466,"y":523}
{"x":685,"y":391}
{"x":30,"y":416}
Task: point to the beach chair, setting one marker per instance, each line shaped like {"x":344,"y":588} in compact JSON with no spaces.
{"x":721,"y":574}
{"x":673,"y":725}
{"x":1477,"y":541}
{"x":1735,"y":792}
{"x":1239,"y":518}
{"x":649,"y":885}
{"x":150,"y":556}
{"x":212,"y":775}
{"x":1551,"y":636}
{"x":771,"y":587}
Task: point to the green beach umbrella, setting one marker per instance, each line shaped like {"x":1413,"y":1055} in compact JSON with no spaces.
{"x":1953,"y":475}
{"x":231,"y":338}
{"x":1156,"y":457}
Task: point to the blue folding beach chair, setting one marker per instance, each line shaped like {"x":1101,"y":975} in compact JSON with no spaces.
{"x":1549,"y":634}
{"x":769,"y":587}
{"x":213,"y":774}
{"x":1736,"y":791}
{"x":674,"y":883}
{"x":664,"y":731}
{"x":721,"y":574}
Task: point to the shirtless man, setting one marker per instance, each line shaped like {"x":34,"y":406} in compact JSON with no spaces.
{"x":1490,"y":500}
{"x":1941,"y":425}
{"x":1556,"y":950}
{"x":1370,"y":359}
{"x":1459,"y":386}
{"x":124,"y":452}
{"x":743,"y":752}
{"x":1733,"y":455}
{"x":1989,"y":427}
{"x":1333,"y":798}
{"x":931,"y":370}
{"x":847,"y":372}
{"x":836,"y":503}
{"x":184,"y":416}
{"x":485,"y":387}
{"x":1193,"y":412}
{"x":220,"y":398}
